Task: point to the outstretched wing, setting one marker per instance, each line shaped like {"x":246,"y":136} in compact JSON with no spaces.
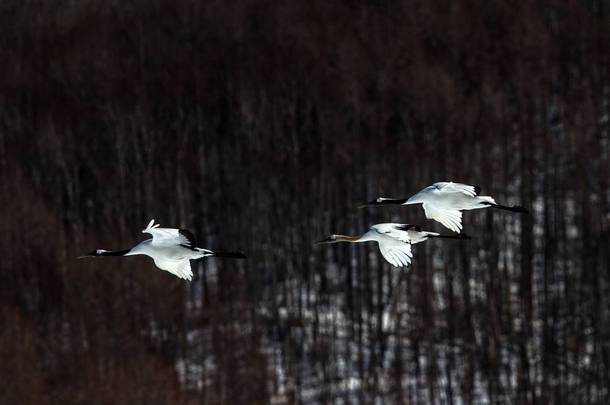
{"x":169,"y":236}
{"x":397,"y":253}
{"x":451,"y":219}
{"x":394,"y":243}
{"x":180,"y":268}
{"x":451,"y":187}
{"x":392,"y":230}
{"x":191,"y":240}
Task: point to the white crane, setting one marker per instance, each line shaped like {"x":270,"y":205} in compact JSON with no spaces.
{"x":394,"y":243}
{"x":171,"y":249}
{"x":445,"y":201}
{"x":394,"y":240}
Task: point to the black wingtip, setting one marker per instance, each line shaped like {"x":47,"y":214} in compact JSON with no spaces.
{"x":406,"y":227}
{"x":477,"y":190}
{"x":189,"y":236}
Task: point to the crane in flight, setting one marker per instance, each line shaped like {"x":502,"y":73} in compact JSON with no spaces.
{"x":445,"y":201}
{"x":171,"y":250}
{"x":394,"y":240}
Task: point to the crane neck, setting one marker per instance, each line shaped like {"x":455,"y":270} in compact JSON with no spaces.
{"x":114,"y":253}
{"x":347,"y":238}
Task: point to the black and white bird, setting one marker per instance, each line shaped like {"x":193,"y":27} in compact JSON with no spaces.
{"x":394,"y":240}
{"x":445,"y":201}
{"x":171,"y":249}
{"x":394,"y":243}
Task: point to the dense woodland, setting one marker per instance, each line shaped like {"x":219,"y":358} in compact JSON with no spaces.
{"x":261,"y":126}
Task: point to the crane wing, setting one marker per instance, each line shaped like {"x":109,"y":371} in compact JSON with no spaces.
{"x":451,"y":219}
{"x":451,"y":187}
{"x":397,"y":253}
{"x":191,"y":240}
{"x":169,"y":236}
{"x":393,"y":230}
{"x":180,"y":268}
{"x":394,"y":243}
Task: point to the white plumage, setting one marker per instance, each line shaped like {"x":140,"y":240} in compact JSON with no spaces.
{"x":394,"y":243}
{"x":171,"y":250}
{"x":445,"y":201}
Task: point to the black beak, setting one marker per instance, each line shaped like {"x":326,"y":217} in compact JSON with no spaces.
{"x":327,"y":240}
{"x":91,"y":254}
{"x":368,"y":204}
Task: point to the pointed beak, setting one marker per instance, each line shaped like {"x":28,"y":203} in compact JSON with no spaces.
{"x":327,"y":240}
{"x":368,"y":204}
{"x":90,"y":254}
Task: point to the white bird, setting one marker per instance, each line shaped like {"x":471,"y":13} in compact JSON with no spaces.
{"x":444,"y":201}
{"x":394,"y":243}
{"x":394,"y":240}
{"x":171,"y":249}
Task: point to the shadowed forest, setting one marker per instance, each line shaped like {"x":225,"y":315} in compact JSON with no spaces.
{"x":261,"y":126}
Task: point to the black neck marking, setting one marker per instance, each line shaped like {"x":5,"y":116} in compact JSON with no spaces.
{"x":514,"y":208}
{"x":392,"y":201}
{"x":113,"y":253}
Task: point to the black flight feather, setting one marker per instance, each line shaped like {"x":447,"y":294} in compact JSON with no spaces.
{"x":192,"y":241}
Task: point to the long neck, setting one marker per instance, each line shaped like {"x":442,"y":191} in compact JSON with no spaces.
{"x":392,"y":201}
{"x":347,"y":238}
{"x":114,"y":253}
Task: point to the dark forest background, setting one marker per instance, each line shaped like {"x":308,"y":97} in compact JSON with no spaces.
{"x":260,"y":126}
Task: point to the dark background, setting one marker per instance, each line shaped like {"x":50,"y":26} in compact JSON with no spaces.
{"x":260,"y":126}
